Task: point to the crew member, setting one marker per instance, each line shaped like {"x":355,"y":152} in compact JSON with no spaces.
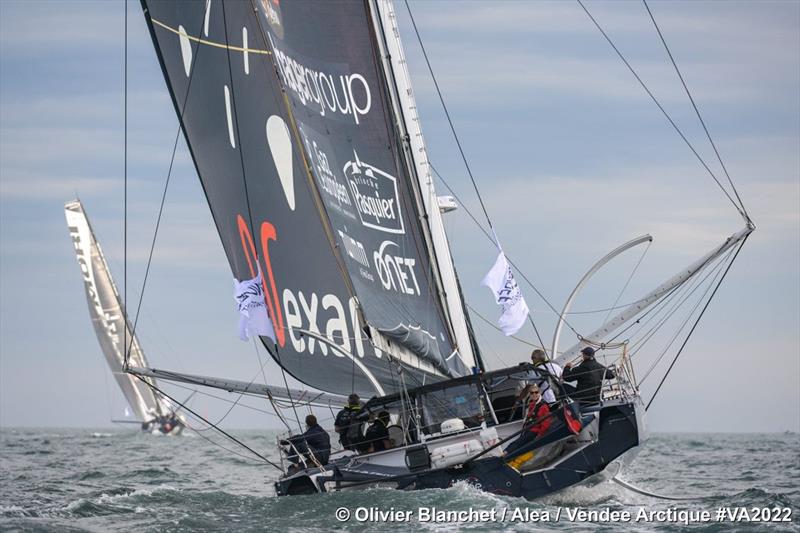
{"x":377,"y":435}
{"x":314,"y":445}
{"x":589,"y":376}
{"x":348,"y":423}
{"x":537,"y":419}
{"x":539,"y":359}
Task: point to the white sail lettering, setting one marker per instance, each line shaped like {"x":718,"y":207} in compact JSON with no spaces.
{"x":359,"y":110}
{"x":336,"y":327}
{"x":395,"y":271}
{"x":310,"y":308}
{"x":342,"y":109}
{"x":293,"y":320}
{"x":91,"y":290}
{"x":308,"y":86}
{"x":342,"y":327}
{"x":357,"y":340}
{"x":328,"y":80}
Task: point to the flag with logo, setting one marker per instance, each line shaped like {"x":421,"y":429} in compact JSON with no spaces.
{"x":253,"y":315}
{"x":507,"y":294}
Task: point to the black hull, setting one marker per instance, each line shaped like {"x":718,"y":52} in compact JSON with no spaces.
{"x":618,"y":432}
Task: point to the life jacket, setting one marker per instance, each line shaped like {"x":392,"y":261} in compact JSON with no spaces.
{"x":348,"y":419}
{"x":538,"y":418}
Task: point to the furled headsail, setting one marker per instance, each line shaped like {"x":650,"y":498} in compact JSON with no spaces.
{"x":286,"y":111}
{"x":108,"y":316}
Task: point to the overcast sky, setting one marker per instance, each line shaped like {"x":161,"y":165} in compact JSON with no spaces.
{"x":571,"y":157}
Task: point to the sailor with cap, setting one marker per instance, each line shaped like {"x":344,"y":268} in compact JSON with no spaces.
{"x":589,"y":376}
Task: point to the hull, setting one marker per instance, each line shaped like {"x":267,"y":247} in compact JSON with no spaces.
{"x":611,"y":439}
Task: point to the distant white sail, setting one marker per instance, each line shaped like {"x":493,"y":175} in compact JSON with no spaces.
{"x":108,"y":317}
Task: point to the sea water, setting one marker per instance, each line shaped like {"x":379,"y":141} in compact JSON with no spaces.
{"x":123,"y":480}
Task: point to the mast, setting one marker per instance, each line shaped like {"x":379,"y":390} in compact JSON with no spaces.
{"x":407,"y":120}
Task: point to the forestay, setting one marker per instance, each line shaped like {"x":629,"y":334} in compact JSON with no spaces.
{"x":286,"y":112}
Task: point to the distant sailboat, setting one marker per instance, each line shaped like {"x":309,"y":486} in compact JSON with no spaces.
{"x":108,"y":317}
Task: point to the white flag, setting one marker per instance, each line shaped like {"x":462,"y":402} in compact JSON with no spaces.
{"x":507,"y":294}
{"x":253,"y":316}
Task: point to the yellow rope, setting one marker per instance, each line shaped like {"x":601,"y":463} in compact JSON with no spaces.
{"x":211,"y":43}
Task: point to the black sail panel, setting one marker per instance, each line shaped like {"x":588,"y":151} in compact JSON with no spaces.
{"x":267,"y":208}
{"x":326,"y":55}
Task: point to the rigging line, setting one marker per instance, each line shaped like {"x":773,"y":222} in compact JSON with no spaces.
{"x":206,"y":421}
{"x":661,"y":297}
{"x":125,"y":191}
{"x":633,"y":273}
{"x":696,"y":110}
{"x":494,"y":326}
{"x":447,"y":113}
{"x":705,"y":307}
{"x":244,"y":174}
{"x":264,"y":377}
{"x":686,"y":321}
{"x":226,"y":400}
{"x":486,"y":233}
{"x":415,"y":201}
{"x":680,"y":295}
{"x":218,"y":445}
{"x":536,"y":330}
{"x":288,"y":392}
{"x":160,"y":211}
{"x":495,"y":352}
{"x":236,"y":121}
{"x":637,"y":346}
{"x":663,"y":111}
{"x":236,"y":402}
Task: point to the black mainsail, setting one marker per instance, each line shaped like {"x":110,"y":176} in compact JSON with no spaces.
{"x":286,"y":112}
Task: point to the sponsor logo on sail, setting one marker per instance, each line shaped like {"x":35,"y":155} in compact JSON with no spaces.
{"x":81,"y":240}
{"x":345,"y":94}
{"x":271,"y":9}
{"x":336,"y":191}
{"x":354,"y":249}
{"x":375,"y":195}
{"x":396,"y":273}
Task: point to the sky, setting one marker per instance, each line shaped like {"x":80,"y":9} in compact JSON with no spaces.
{"x":570,"y":155}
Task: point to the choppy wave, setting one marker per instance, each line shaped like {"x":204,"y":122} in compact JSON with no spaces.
{"x":126,"y":481}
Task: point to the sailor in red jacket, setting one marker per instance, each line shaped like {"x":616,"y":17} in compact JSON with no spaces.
{"x":537,"y":421}
{"x":538,"y":418}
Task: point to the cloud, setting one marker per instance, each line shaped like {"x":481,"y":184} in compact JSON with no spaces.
{"x":40,"y":188}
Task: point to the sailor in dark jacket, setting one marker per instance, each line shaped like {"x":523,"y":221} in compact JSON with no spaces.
{"x":349,"y":423}
{"x":314,"y":444}
{"x":589,"y":376}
